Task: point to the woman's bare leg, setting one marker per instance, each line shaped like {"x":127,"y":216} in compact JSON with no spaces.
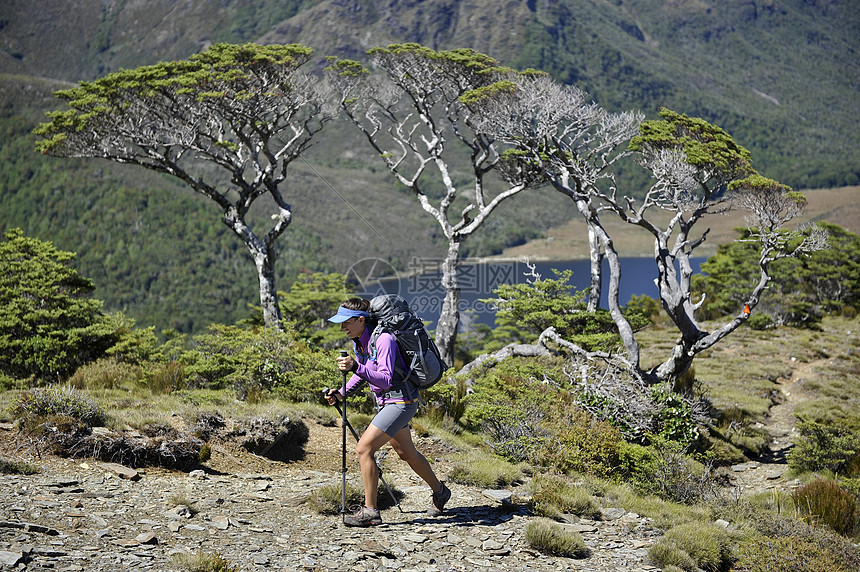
{"x":405,"y":449}
{"x":371,"y":441}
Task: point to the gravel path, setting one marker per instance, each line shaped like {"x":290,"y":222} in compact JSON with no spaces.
{"x":86,"y":515}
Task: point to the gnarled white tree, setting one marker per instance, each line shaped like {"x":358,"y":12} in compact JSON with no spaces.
{"x":227,"y":121}
{"x":413,"y":117}
{"x":698,"y":170}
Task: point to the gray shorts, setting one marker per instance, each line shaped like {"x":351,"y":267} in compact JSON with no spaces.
{"x":394,"y":416}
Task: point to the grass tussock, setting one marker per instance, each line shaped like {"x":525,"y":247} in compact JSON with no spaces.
{"x":695,"y":545}
{"x":480,"y":469}
{"x":58,"y":401}
{"x":555,"y":496}
{"x":550,"y":537}
{"x":181,"y":500}
{"x":327,"y":498}
{"x":824,"y":502}
{"x":9,"y":467}
{"x":202,"y":562}
{"x":106,"y":373}
{"x":786,"y":554}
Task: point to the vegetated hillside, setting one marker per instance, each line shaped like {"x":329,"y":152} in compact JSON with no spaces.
{"x":780,"y":77}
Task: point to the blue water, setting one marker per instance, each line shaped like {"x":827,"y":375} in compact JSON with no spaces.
{"x":425,"y":294}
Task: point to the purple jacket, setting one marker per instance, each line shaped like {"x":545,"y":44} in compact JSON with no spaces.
{"x":378,"y":370}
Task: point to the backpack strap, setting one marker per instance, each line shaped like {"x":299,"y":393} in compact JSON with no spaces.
{"x":399,"y":374}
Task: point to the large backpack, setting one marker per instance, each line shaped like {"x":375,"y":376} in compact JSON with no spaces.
{"x":424,"y":365}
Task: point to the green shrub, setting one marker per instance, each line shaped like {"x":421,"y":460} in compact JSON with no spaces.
{"x":8,"y":382}
{"x":822,"y":447}
{"x":509,"y":403}
{"x":760,"y":321}
{"x":307,"y":305}
{"x":133,"y":345}
{"x":263,"y":359}
{"x":446,"y":399}
{"x":636,"y":462}
{"x":675,"y":415}
{"x":555,"y":496}
{"x":525,"y":407}
{"x":672,"y":475}
{"x":585,"y":445}
{"x":63,"y":401}
{"x":825,"y":502}
{"x":707,"y":545}
{"x":644,"y":306}
{"x":547,"y":536}
{"x":49,"y":326}
{"x":549,"y":302}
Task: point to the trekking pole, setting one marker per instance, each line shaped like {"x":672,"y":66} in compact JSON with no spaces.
{"x":343,"y":443}
{"x":378,"y":468}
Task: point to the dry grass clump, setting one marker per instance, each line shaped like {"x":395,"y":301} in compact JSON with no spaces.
{"x":786,"y":554}
{"x":327,"y":498}
{"x":9,"y":467}
{"x":201,"y":562}
{"x":824,"y":502}
{"x":106,"y":373}
{"x":694,"y":545}
{"x":181,"y":500}
{"x":555,"y":496}
{"x":35,"y":405}
{"x":481,"y":469}
{"x":548,"y":536}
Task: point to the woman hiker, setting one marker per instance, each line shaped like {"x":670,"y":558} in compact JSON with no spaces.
{"x":396,"y":404}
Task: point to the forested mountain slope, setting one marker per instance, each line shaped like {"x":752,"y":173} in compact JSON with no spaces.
{"x":781,"y":77}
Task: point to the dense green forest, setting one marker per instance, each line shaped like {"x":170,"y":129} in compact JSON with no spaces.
{"x":781,"y":78}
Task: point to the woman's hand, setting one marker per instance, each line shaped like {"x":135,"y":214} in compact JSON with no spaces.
{"x":332,"y":397}
{"x":345,"y":363}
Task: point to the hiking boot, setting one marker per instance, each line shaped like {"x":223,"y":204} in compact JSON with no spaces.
{"x":363,"y":517}
{"x":439,"y":500}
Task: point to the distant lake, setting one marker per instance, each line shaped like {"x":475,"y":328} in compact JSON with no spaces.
{"x":424,"y":292}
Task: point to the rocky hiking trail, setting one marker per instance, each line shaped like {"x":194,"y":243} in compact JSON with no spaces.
{"x":79,"y":515}
{"x":769,"y":471}
{"x":86,"y":515}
